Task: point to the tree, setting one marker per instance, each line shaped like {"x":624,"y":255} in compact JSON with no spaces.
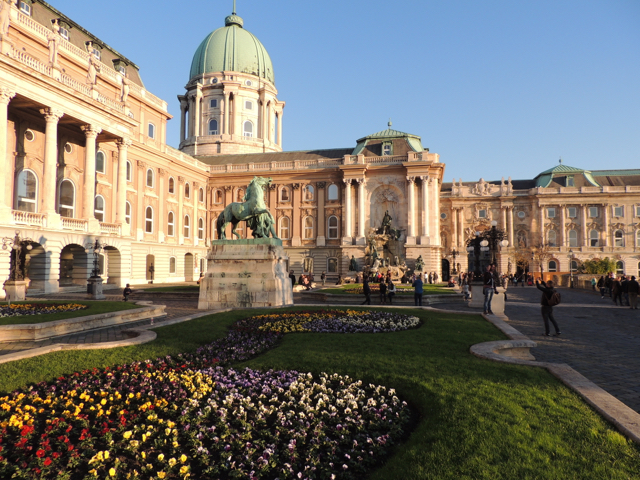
{"x":542,"y":253}
{"x":599,"y":266}
{"x":522,"y":258}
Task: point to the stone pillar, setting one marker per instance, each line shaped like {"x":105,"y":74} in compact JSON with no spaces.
{"x":510,"y":216}
{"x":179,"y":222}
{"x":463,"y":242}
{"x":89,"y":190}
{"x":194,"y":228}
{"x":237,"y":128}
{"x":224,"y":115}
{"x":426,"y":224}
{"x":184,"y":108}
{"x":121,"y":202}
{"x":162,"y":213}
{"x":321,"y":238}
{"x":605,"y":219}
{"x":411,"y":227}
{"x":360,"y":240}
{"x":191,"y":109}
{"x":585,"y":240}
{"x":5,"y":203}
{"x":50,"y":175}
{"x":455,"y":238}
{"x":434,"y":190}
{"x":347,"y":201}
{"x":542,"y":238}
{"x":197,"y":112}
{"x":563,"y":239}
{"x":296,"y":221}
{"x":280,"y":128}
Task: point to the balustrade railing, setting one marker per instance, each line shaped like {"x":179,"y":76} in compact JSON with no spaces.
{"x":75,"y":224}
{"x":110,"y":228}
{"x":29,"y":218}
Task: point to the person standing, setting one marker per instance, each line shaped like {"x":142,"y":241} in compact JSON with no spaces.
{"x":624,"y":288}
{"x":488,"y":288}
{"x":634,"y":289}
{"x":616,"y":291}
{"x":600,"y":285}
{"x":323,"y":277}
{"x":292,"y":277}
{"x":126,"y":292}
{"x":594,"y":283}
{"x":547,"y":309}
{"x":391,"y":291}
{"x":418,"y":285}
{"x":366,"y":289}
{"x":383,"y":292}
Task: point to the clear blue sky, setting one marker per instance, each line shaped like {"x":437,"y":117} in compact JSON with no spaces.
{"x":497,"y":88}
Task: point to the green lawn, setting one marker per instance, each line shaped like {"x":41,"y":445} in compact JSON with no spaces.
{"x":95,"y":307}
{"x":475,"y":419}
{"x":401,"y":289}
{"x":177,"y":288}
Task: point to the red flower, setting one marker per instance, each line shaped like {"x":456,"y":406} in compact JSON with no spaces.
{"x":26,"y":430}
{"x":70,"y":447}
{"x":56,"y":454}
{"x":47,"y":462}
{"x":40,"y":453}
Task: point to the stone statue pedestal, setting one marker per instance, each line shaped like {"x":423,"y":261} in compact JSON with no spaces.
{"x":16,"y":290}
{"x":94,"y":288}
{"x":246,"y":273}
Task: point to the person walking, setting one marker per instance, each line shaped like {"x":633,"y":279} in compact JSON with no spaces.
{"x":601,"y":285}
{"x":292,"y":277}
{"x":383,"y":292}
{"x":624,"y":288}
{"x":418,"y":285}
{"x":391,"y":291}
{"x":366,"y":289}
{"x":634,"y":290}
{"x":546,"y":308}
{"x":616,"y":291}
{"x":488,"y":289}
{"x":593,"y":283}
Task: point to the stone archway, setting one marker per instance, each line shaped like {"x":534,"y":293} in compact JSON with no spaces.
{"x":188,"y":267}
{"x":150,"y":268}
{"x":112,"y":267}
{"x":75,"y":266}
{"x":445,"y":270}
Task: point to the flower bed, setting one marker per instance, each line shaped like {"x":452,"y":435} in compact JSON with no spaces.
{"x":331,"y":321}
{"x":188,"y":417}
{"x":19,"y":309}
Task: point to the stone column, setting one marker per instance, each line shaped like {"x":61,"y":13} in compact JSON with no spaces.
{"x":463,"y":242}
{"x":162,"y":212}
{"x":543,"y":240}
{"x":510,"y":216}
{"x":454,"y":235}
{"x":194,"y":228}
{"x":347,"y":202}
{"x":5,"y":203}
{"x":89,"y":191}
{"x":426,"y":230}
{"x":121,"y":202}
{"x":434,"y":191}
{"x":585,"y":240}
{"x":321,"y":238}
{"x":605,"y":219}
{"x":360,"y":240}
{"x":296,"y":221}
{"x":191,"y":109}
{"x":184,"y":108}
{"x":280,"y":128}
{"x":563,"y":233}
{"x":224,"y":115}
{"x":179,"y":222}
{"x":411,"y":233}
{"x":197,"y":112}
{"x":48,"y":188}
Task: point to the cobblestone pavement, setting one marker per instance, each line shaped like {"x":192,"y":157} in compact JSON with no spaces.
{"x":599,"y":339}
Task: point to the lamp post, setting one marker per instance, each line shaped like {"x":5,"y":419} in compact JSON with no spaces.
{"x":454,"y":254}
{"x":473,"y":247}
{"x":16,"y":286}
{"x":94,"y":283}
{"x":571,"y":267}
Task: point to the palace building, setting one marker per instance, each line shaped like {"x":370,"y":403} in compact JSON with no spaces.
{"x":84,"y":157}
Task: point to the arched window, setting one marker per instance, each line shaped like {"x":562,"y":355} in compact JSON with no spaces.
{"x":618,"y":238}
{"x":129,"y":171}
{"x":26,"y":191}
{"x":240,"y":195}
{"x":309,"y":193}
{"x":150,"y":178}
{"x":200,"y":228}
{"x":98,"y":208}
{"x":217,"y":196}
{"x":152,"y":130}
{"x":573,"y":238}
{"x":187,"y":190}
{"x":332,"y":193}
{"x":170,"y":224}
{"x":308,"y":228}
{"x":551,"y":238}
{"x":247,"y":129}
{"x":187,"y":226}
{"x":620,"y":268}
{"x":594,"y":238}
{"x":67,"y":199}
{"x":100,"y":161}
{"x":172,"y":185}
{"x":638,"y":240}
{"x":332,"y":229}
{"x":284,"y":227}
{"x":172,"y":264}
{"x":284,"y":195}
{"x":148,"y":217}
{"x":213,"y":127}
{"x":127,"y":213}
{"x":332,"y":265}
{"x":201,"y":194}
{"x":553,"y":266}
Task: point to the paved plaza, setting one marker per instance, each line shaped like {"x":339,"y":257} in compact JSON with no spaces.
{"x":599,"y":339}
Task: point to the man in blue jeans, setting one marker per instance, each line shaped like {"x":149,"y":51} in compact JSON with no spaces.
{"x":489,"y":287}
{"x":417,"y":284}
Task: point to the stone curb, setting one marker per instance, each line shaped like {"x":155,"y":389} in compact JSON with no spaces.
{"x":514,"y":350}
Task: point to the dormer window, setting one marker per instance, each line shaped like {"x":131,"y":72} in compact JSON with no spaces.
{"x":387,"y":148}
{"x":570,"y":182}
{"x":25,"y":6}
{"x":64,"y":29}
{"x":119,"y":66}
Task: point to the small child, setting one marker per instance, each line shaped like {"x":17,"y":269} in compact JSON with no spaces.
{"x":126,"y":292}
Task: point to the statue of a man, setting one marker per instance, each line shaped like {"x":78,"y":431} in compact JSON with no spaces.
{"x":94,"y":67}
{"x":5,"y":17}
{"x":419,"y":264}
{"x":386,"y":223}
{"x":124,"y":89}
{"x":53,"y":38}
{"x":353,"y":264}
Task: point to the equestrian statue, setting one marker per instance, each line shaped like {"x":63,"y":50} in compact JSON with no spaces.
{"x":252,"y":209}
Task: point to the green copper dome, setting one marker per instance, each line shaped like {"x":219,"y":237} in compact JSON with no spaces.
{"x":232,"y":49}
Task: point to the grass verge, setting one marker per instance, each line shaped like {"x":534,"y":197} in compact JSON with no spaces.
{"x":95,"y":307}
{"x":475,"y":419}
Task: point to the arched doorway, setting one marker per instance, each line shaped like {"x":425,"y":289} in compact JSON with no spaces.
{"x":188,"y":267}
{"x":112,"y":266}
{"x":446,"y":274}
{"x":150,"y":268}
{"x":75,"y":266}
{"x":34,"y":265}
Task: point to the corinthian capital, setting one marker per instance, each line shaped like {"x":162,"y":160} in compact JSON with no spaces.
{"x":6,"y":95}
{"x":124,"y":142}
{"x":411,"y":179}
{"x":91,"y":131}
{"x":51,"y":114}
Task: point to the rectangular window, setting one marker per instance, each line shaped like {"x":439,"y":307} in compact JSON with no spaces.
{"x":213,"y":103}
{"x":572,"y":212}
{"x":248,"y":105}
{"x":593,"y":212}
{"x":570,"y":182}
{"x":64,"y":33}
{"x":618,"y":211}
{"x":152,"y":130}
{"x":551,"y":212}
{"x":637,"y":210}
{"x":25,"y":7}
{"x":482,"y":213}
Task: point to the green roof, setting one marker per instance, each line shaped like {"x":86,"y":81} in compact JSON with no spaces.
{"x":414,"y":141}
{"x":232,"y":49}
{"x":544,"y":179}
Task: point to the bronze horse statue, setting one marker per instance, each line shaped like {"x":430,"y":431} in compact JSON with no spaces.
{"x":252,"y":209}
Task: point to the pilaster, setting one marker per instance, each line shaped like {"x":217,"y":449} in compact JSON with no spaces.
{"x":5,"y":203}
